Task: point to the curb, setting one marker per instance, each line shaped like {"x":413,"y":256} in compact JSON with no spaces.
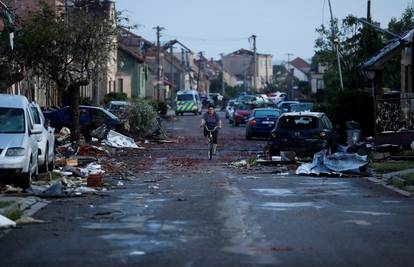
{"x":390,"y":187}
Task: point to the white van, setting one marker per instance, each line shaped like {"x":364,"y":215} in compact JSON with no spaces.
{"x":188,"y":101}
{"x":18,"y":140}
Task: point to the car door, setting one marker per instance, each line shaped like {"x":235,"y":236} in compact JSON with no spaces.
{"x":31,"y":140}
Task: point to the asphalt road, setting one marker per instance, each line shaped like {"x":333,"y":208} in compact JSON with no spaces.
{"x":184,"y":210}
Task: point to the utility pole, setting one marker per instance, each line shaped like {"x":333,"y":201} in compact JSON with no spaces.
{"x":254,"y":60}
{"x":158,"y":29}
{"x":267,"y":74}
{"x":200,"y":54}
{"x":172,"y":72}
{"x":290,"y":79}
{"x":336,"y":47}
{"x":223,"y":89}
{"x":369,"y":17}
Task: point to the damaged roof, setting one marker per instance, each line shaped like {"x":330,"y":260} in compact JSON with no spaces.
{"x":391,"y":49}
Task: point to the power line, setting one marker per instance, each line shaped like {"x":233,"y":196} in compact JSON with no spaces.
{"x":188,"y":38}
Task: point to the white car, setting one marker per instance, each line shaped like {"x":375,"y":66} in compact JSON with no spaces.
{"x":18,"y":140}
{"x":45,"y":140}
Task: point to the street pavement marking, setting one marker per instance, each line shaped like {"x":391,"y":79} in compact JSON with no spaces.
{"x":373,"y":213}
{"x":359,"y":222}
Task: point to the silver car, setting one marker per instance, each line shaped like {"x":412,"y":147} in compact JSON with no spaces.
{"x":18,"y":141}
{"x":45,"y":140}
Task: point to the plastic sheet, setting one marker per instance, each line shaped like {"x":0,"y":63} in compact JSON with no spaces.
{"x":337,"y":163}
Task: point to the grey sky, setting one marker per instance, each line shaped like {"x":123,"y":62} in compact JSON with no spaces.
{"x":223,"y":26}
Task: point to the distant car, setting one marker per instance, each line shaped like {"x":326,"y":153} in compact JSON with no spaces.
{"x":261,"y":122}
{"x":18,"y":140}
{"x":285,"y":106}
{"x":90,"y":118}
{"x":117,"y":107}
{"x":45,"y":140}
{"x":276,"y":97}
{"x":301,"y":107}
{"x":241,"y":114}
{"x":229,"y":108}
{"x":246,"y":98}
{"x":304,"y":133}
{"x":206,"y":101}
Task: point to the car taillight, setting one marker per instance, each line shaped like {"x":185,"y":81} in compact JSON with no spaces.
{"x":252,"y":122}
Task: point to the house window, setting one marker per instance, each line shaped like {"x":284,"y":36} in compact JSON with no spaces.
{"x":120,"y":85}
{"x":109,"y":86}
{"x":114,"y":85}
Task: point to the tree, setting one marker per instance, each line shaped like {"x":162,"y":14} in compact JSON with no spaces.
{"x":69,"y":52}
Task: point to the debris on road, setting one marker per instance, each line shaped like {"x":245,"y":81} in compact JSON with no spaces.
{"x":29,"y":220}
{"x":334,"y":164}
{"x":6,"y":222}
{"x":117,"y":140}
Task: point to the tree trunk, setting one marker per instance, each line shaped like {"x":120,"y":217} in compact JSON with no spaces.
{"x":74,"y":96}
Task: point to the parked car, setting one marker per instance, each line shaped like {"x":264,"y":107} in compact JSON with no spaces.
{"x":301,"y":107}
{"x":90,"y":118}
{"x":246,"y":99}
{"x":117,"y":107}
{"x":18,"y":140}
{"x":276,"y":97}
{"x":241,"y":114}
{"x":304,"y":133}
{"x":45,"y":140}
{"x":229,"y":108}
{"x":262,"y":122}
{"x":285,"y":106}
{"x":206,"y":101}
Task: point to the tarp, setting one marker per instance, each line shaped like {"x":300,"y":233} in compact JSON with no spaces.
{"x":332,"y":164}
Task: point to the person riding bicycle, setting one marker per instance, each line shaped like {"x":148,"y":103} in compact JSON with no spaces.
{"x":211,"y":120}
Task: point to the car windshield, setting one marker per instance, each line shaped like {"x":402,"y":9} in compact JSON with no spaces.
{"x":187,"y":97}
{"x":301,"y":107}
{"x":36,"y":116}
{"x":12,"y":120}
{"x":242,"y":107}
{"x":298,"y":122}
{"x":267,"y":113}
{"x":112,"y":116}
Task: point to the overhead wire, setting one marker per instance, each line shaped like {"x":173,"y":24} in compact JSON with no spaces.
{"x":189,"y":38}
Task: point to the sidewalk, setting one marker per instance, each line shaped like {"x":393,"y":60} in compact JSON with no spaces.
{"x":388,"y":180}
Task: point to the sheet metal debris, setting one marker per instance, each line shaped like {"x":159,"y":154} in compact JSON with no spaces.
{"x":334,"y":164}
{"x":115,"y":139}
{"x":6,"y":222}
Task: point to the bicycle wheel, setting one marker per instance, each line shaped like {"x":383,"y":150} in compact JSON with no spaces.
{"x":210,"y":149}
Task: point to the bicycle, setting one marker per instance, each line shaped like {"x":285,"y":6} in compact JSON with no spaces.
{"x":210,"y":141}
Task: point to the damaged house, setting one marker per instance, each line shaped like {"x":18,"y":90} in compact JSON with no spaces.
{"x":394,"y":112}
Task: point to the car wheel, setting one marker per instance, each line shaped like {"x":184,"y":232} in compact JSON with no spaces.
{"x":236,"y":124}
{"x":176,"y":113}
{"x":51,"y":165}
{"x":45,"y":166}
{"x":248,"y":137}
{"x":24,"y":180}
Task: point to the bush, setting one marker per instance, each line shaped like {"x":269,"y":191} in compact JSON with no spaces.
{"x":115,"y":96}
{"x":159,"y":106}
{"x":141,"y":118}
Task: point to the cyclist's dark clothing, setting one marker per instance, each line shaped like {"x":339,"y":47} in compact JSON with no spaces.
{"x":214,"y":135}
{"x":211,"y":122}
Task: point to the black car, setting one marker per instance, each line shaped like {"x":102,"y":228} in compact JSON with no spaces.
{"x":304,"y":133}
{"x":261,"y":122}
